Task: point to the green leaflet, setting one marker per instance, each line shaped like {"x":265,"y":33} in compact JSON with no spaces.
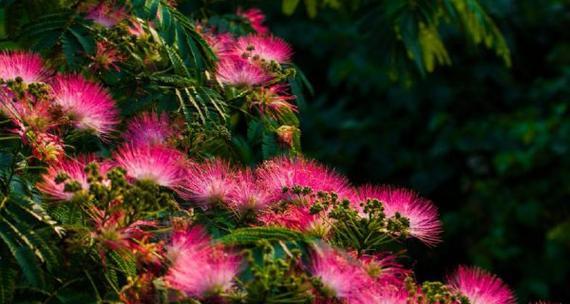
{"x":251,"y":235}
{"x":417,"y":25}
{"x":8,"y":278}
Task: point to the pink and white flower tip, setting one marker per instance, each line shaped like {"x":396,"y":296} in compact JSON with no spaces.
{"x":200,"y":269}
{"x":342,"y":279}
{"x":297,"y":218}
{"x":422,"y":214}
{"x":106,"y":57}
{"x":480,"y":286}
{"x":384,"y":269}
{"x":234,"y":71}
{"x":88,"y":105}
{"x":106,"y":14}
{"x":248,"y":195}
{"x":390,"y":294}
{"x":256,"y":18}
{"x":187,"y":239}
{"x":220,"y":43}
{"x":209,"y":183}
{"x":273,"y":101}
{"x":160,"y":165}
{"x":282,"y":173}
{"x":23,"y":65}
{"x":52,"y":183}
{"x":263,"y":49}
{"x":149,"y":128}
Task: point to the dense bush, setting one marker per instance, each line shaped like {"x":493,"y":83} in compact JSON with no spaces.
{"x":152,"y":155}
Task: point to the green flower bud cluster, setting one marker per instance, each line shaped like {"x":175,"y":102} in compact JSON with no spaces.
{"x":433,"y":292}
{"x":276,"y":278}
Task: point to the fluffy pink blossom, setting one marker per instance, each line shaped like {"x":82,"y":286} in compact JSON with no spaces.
{"x":114,"y":231}
{"x":25,"y":65}
{"x":160,"y":165}
{"x":106,"y":56}
{"x":220,"y":43}
{"x":480,"y":286}
{"x":384,"y":269}
{"x":390,"y":294}
{"x":73,"y":169}
{"x":182,"y":240}
{"x":200,"y":269}
{"x":342,"y":278}
{"x":28,"y":112}
{"x":209,"y":183}
{"x":248,"y":194}
{"x":149,"y":128}
{"x":297,"y":218}
{"x":87,"y":104}
{"x":256,"y":18}
{"x":106,"y":14}
{"x":421,"y":213}
{"x":283,"y":172}
{"x":263,"y":49}
{"x":273,"y":101}
{"x":234,"y":71}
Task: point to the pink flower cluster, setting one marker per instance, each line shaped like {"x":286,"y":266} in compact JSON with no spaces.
{"x":105,"y":13}
{"x":349,"y":279}
{"x":39,"y":104}
{"x":199,"y":268}
{"x":254,"y":61}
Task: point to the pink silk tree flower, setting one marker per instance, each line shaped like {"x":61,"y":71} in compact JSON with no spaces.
{"x":286,"y":173}
{"x":256,"y":18}
{"x":201,"y":269}
{"x":248,"y":194}
{"x":106,"y":57}
{"x":480,"y":286}
{"x":342,"y":279}
{"x":149,"y":128}
{"x":390,"y":294}
{"x":160,"y":165}
{"x":384,"y":269}
{"x":115,"y":233}
{"x":45,"y":146}
{"x":106,"y":14}
{"x":297,"y":218}
{"x":234,"y":71}
{"x":25,"y":65}
{"x":73,"y":169}
{"x":263,"y":49}
{"x":209,"y":183}
{"x":88,"y":105}
{"x":273,"y":101}
{"x":221,"y":43}
{"x":421,"y":213}
{"x":181,"y":240}
{"x":29,"y":113}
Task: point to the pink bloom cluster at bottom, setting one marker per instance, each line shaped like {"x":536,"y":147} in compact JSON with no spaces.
{"x":199,"y":268}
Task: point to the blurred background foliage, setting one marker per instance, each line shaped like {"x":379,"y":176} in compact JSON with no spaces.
{"x":485,"y":136}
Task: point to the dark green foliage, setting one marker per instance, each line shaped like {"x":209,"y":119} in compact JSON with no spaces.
{"x":252,"y":235}
{"x":411,"y":30}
